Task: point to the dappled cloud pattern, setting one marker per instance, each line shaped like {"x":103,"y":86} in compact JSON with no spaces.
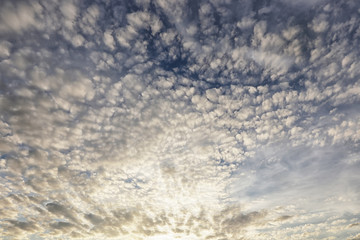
{"x":164,"y":119}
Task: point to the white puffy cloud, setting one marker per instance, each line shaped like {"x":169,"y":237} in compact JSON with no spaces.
{"x":19,"y":16}
{"x":177,"y":119}
{"x":109,"y":40}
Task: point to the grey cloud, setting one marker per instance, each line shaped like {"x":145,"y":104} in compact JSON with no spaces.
{"x":18,"y":229}
{"x":26,"y":226}
{"x":354,"y":225}
{"x":284,"y":218}
{"x":61,"y":225}
{"x":61,"y":210}
{"x":243,"y":220}
{"x":94,"y":219}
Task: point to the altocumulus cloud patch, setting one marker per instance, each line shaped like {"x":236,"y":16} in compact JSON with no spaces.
{"x":159,"y":119}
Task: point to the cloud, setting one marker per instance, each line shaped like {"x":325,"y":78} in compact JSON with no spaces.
{"x":109,"y":40}
{"x":179,"y":120}
{"x":20,"y":16}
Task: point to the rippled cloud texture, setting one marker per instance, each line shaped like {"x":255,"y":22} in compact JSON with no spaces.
{"x":164,"y":119}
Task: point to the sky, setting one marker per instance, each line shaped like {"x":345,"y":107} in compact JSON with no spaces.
{"x":179,"y":119}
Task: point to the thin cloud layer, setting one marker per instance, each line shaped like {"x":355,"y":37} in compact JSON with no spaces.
{"x":179,"y":119}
